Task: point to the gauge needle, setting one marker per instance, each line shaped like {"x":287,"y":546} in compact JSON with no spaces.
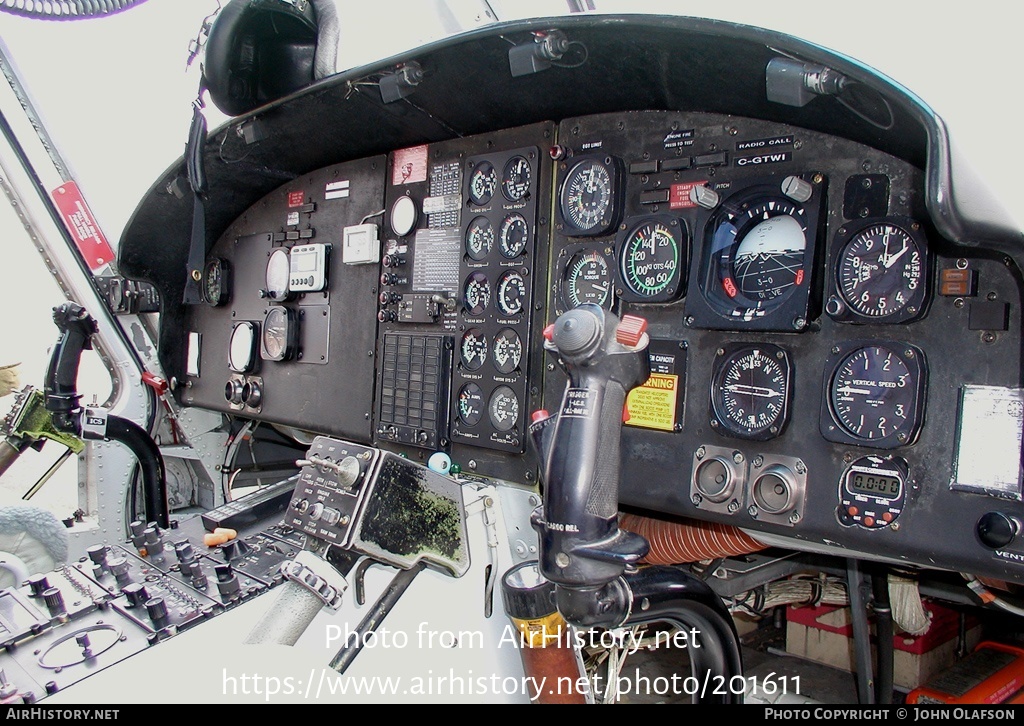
{"x":850,"y":389}
{"x":752,"y":390}
{"x":892,"y":259}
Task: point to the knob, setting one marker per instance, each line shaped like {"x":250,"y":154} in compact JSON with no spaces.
{"x":184,"y":551}
{"x":331,"y":516}
{"x":136,"y":594}
{"x":227,"y":581}
{"x":234,"y":549}
{"x":797,"y":189}
{"x":996,"y":530}
{"x":153,"y":542}
{"x":54,"y":602}
{"x":704,"y":197}
{"x":137,"y":529}
{"x":119,"y":569}
{"x":157,"y":610}
{"x":98,"y":554}
{"x":316,"y":511}
{"x":37,"y":584}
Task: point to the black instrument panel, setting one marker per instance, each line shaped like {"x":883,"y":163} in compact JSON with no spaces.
{"x":808,"y":324}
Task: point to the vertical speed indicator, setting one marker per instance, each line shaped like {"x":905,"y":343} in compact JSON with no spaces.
{"x":874,"y":394}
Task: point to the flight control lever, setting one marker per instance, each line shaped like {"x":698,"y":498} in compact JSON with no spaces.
{"x":604,"y":358}
{"x":594,"y":564}
{"x":62,"y":400}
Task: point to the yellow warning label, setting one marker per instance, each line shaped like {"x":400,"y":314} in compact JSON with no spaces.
{"x":653,"y":405}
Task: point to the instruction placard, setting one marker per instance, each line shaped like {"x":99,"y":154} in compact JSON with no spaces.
{"x":658,"y":403}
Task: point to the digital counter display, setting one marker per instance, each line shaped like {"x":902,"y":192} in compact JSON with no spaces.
{"x":877,"y":485}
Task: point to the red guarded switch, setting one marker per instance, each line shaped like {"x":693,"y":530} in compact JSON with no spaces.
{"x":631,"y":330}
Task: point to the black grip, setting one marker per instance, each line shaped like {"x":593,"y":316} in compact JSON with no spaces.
{"x":604,"y":496}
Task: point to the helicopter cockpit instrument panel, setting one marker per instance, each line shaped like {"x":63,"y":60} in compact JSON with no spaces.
{"x":831,"y":349}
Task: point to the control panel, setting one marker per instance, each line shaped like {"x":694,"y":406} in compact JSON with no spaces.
{"x":825,"y":366}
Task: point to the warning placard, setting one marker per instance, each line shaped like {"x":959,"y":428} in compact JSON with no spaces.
{"x":653,"y":405}
{"x":77,"y":216}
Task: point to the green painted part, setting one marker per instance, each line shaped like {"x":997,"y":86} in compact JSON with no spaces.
{"x":35,"y":422}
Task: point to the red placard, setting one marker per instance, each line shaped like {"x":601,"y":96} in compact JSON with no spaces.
{"x":77,"y":216}
{"x":296,"y":199}
{"x":680,"y":195}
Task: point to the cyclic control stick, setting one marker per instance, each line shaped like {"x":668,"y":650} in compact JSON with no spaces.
{"x":593,"y":563}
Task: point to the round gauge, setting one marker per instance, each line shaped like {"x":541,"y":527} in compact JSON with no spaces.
{"x":514,"y":235}
{"x":278,"y":274}
{"x":587,"y":197}
{"x":873,"y":394}
{"x":473,"y":349}
{"x":508,"y":351}
{"x":880,"y":271}
{"x":471,"y":404}
{"x":403,"y":215}
{"x":503,"y":408}
{"x":279,"y":334}
{"x":242,"y":347}
{"x":750,"y":391}
{"x":515,"y":179}
{"x":650,"y":258}
{"x":511,"y":293}
{"x":476,"y":293}
{"x":587,"y":280}
{"x":217,"y":282}
{"x":479,"y":238}
{"x":483,"y":180}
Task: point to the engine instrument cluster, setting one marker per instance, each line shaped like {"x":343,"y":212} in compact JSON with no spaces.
{"x":812,"y":336}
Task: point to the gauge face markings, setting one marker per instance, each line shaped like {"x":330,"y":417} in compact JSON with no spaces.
{"x":483,"y":180}
{"x":588,"y":279}
{"x":587,"y":196}
{"x":514,"y":235}
{"x":650,"y":259}
{"x":751,"y":390}
{"x":503,"y":409}
{"x":476,"y":293}
{"x":873,"y":393}
{"x":217,"y":282}
{"x":511,"y":293}
{"x":471,"y":404}
{"x":880,"y":271}
{"x":515,"y":178}
{"x":508,"y":351}
{"x":473,"y":349}
{"x":278,"y":334}
{"x":479,"y":238}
